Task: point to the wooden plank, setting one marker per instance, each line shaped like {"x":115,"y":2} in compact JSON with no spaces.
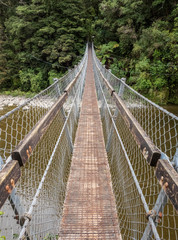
{"x":27,"y":145}
{"x":150,"y":152}
{"x":89,"y":208}
{"x":168,"y":179}
{"x":8,"y":178}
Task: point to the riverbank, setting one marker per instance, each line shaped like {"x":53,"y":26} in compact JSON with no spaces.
{"x":8,"y":100}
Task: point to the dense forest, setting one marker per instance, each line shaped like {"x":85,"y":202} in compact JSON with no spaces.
{"x":136,"y":39}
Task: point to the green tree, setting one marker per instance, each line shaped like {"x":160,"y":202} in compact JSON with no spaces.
{"x":146,"y":33}
{"x":136,"y":39}
{"x":44,"y":35}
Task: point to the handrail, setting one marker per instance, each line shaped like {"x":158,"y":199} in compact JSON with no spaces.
{"x":146,"y":99}
{"x":29,"y":100}
{"x":165,"y":173}
{"x":9,"y":175}
{"x":150,"y":152}
{"x":11,"y":172}
{"x":131,"y":168}
{"x":141,"y":96}
{"x":168,"y":179}
{"x":25,"y":148}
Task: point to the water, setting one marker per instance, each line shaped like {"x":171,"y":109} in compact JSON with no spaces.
{"x":6,"y":109}
{"x":31,"y":175}
{"x":171,"y":108}
{"x":163,"y":130}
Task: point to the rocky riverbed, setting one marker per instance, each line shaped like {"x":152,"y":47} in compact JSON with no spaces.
{"x":11,"y":101}
{"x":7,"y":103}
{"x":41,"y":102}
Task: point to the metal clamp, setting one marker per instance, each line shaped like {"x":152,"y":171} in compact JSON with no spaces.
{"x":153,"y":214}
{"x":27,"y":216}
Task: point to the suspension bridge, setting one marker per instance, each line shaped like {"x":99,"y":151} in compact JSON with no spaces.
{"x":88,"y":158}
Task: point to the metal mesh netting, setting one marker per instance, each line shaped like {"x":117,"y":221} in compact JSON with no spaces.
{"x":15,"y":125}
{"x":162,"y":127}
{"x":40,"y":192}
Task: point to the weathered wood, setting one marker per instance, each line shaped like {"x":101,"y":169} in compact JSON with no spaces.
{"x":89,"y":209}
{"x":168,"y":179}
{"x":108,"y":85}
{"x":27,"y":145}
{"x":150,"y":152}
{"x":8,"y":178}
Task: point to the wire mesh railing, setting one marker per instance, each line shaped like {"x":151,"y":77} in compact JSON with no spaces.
{"x":137,"y":190}
{"x":34,"y":208}
{"x":15,"y":125}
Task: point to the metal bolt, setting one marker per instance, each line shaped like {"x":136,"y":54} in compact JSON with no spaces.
{"x":30,"y":149}
{"x":160,"y":215}
{"x":12,"y":183}
{"x":28,"y":153}
{"x":8,"y":189}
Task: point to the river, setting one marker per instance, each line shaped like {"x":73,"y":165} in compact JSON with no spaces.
{"x":171,"y":108}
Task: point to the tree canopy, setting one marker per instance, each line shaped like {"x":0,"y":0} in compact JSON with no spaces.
{"x":41,"y":39}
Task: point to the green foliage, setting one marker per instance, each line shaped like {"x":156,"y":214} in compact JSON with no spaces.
{"x":50,"y":236}
{"x":53,"y":74}
{"x":2,"y":237}
{"x":146,"y":32}
{"x":106,"y":51}
{"x":31,"y":81}
{"x":42,"y":36}
{"x":17,"y":92}
{"x":41,"y":39}
{"x":15,"y":236}
{"x":3,"y":61}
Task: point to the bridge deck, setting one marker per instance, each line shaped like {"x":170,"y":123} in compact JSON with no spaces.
{"x":89,"y":209}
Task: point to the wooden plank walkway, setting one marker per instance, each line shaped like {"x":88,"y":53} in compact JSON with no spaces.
{"x":89,"y":208}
